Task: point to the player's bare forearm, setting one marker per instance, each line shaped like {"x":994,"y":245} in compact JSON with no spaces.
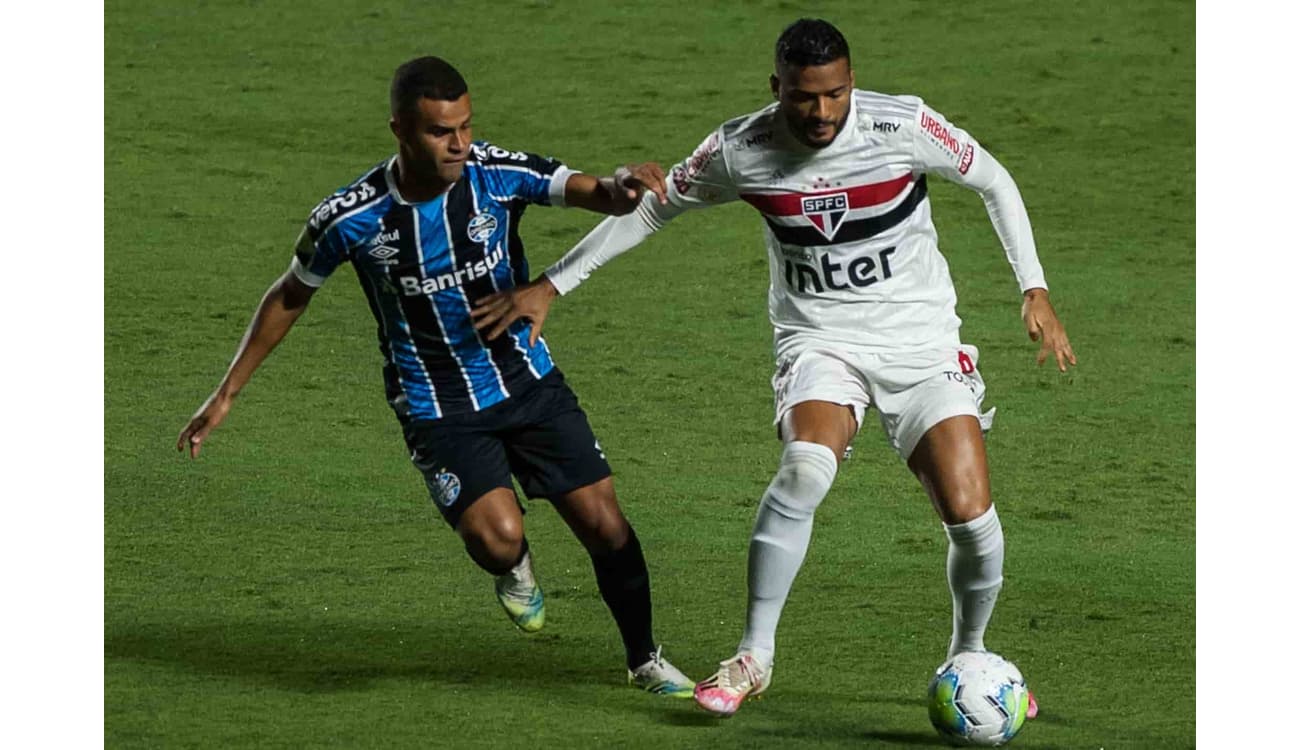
{"x":619,"y":193}
{"x":1042,"y":325}
{"x":531,"y":301}
{"x":279,"y":309}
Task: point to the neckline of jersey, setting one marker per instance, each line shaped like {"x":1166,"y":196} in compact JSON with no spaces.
{"x":397,"y":194}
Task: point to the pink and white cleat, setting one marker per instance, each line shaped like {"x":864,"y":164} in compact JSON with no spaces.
{"x":1032,"y":711}
{"x":737,"y":678}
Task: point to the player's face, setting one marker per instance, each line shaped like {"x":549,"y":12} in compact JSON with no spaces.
{"x":815,"y":100}
{"x":435,"y":138}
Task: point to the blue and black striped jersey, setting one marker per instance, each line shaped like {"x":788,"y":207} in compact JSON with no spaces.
{"x":423,"y":265}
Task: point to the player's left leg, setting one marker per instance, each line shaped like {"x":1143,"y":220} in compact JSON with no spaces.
{"x":930,"y":406}
{"x":952,"y":466}
{"x":951,"y":463}
{"x":593,"y":514}
{"x":555,"y":455}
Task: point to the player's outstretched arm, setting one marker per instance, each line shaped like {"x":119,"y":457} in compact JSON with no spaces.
{"x":635,"y":215}
{"x":610,"y":238}
{"x":280,"y":308}
{"x":1043,"y":326}
{"x":619,"y":193}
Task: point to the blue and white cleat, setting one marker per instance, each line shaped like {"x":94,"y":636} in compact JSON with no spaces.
{"x":661,"y":678}
{"x":521,"y":597}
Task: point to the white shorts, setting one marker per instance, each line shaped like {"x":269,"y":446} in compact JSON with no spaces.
{"x":912,"y":391}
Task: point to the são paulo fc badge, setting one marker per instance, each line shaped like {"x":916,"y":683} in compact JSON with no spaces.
{"x":826,"y":212}
{"x":446,"y":489}
{"x":481,"y":226}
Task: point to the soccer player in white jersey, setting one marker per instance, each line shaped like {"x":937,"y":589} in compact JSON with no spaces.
{"x":864,"y":313}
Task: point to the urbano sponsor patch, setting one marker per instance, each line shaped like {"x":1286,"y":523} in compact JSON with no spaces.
{"x":684,"y":174}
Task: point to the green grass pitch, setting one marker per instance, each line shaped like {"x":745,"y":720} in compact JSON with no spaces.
{"x":295,"y":588}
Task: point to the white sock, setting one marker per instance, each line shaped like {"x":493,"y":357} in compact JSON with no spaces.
{"x":780,"y":539}
{"x":975,"y":553}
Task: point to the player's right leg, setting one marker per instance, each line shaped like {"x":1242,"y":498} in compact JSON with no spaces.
{"x":492,"y":529}
{"x":468,"y":477}
{"x":819,"y":400}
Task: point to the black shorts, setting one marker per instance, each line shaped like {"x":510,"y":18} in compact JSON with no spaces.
{"x":540,"y":436}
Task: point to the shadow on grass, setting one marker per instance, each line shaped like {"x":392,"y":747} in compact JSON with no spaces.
{"x":350,"y":656}
{"x":781,"y":720}
{"x":688,"y":715}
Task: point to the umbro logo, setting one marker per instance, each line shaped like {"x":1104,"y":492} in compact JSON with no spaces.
{"x":381,"y":249}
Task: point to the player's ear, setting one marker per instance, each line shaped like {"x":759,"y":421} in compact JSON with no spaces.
{"x":395,"y":126}
{"x":775,"y":83}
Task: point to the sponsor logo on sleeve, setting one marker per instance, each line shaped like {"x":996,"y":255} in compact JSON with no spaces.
{"x":881,"y":126}
{"x":939,"y":133}
{"x":684,"y":174}
{"x":488,"y":152}
{"x":336,"y":204}
{"x":967,"y":156}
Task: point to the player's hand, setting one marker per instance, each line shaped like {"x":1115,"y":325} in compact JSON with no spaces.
{"x":631,"y":180}
{"x":531,"y":301}
{"x":205,"y":420}
{"x":1043,"y":326}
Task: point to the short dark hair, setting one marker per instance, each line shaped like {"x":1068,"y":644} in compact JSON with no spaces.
{"x":424,"y":77}
{"x":808,"y":42}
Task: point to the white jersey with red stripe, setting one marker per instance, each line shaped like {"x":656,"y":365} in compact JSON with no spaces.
{"x":853,"y":253}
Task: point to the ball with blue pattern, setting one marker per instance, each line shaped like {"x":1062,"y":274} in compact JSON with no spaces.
{"x":978,"y":698}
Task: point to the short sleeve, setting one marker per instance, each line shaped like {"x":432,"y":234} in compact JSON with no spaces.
{"x":320,"y":248}
{"x":520,"y":175}
{"x":701,"y":179}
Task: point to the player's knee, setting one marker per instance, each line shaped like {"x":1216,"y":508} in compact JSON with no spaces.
{"x":605,"y":539}
{"x":965,"y":505}
{"x":604,"y":531}
{"x":499,"y":538}
{"x":803,"y":479}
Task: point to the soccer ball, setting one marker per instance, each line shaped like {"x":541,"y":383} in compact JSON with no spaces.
{"x":978,"y":698}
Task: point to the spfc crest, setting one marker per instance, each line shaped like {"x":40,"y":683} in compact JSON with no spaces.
{"x":826,"y":212}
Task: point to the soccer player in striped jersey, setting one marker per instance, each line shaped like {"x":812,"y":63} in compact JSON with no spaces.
{"x":864,"y":313}
{"x":428,"y":232}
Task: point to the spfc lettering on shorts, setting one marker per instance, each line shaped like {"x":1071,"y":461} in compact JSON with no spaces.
{"x":826,"y":212}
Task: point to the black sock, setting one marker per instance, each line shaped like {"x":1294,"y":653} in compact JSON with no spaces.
{"x":625,"y":586}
